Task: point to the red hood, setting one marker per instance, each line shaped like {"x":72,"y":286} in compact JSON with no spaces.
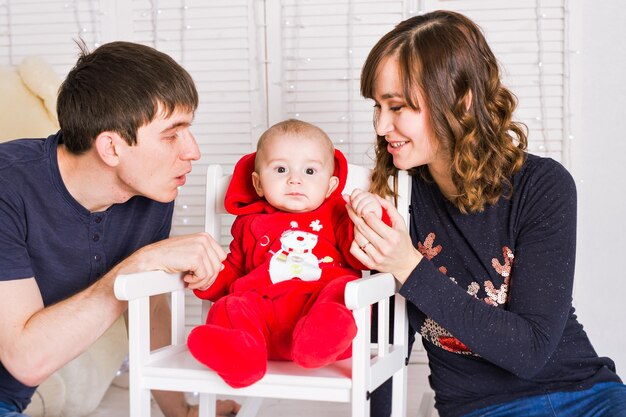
{"x":241,"y":197}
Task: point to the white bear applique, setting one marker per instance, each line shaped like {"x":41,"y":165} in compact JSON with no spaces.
{"x":295,"y":258}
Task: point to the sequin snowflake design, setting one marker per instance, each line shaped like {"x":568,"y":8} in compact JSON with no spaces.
{"x":430,"y":330}
{"x":426,"y":249}
{"x":438,"y":335}
{"x":498,"y":296}
{"x":429,"y":252}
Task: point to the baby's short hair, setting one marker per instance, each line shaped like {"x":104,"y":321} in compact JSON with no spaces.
{"x":295,"y":127}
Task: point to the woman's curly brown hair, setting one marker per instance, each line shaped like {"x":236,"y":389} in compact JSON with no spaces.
{"x":445,"y":57}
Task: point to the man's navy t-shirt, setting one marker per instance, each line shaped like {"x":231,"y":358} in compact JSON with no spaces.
{"x":45,"y":233}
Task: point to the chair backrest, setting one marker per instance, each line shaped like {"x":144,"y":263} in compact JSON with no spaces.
{"x":216,"y":185}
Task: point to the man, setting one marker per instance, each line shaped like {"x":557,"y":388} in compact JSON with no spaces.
{"x":89,"y":203}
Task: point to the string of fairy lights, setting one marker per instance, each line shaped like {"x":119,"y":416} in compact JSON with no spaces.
{"x":351,"y":18}
{"x":157,"y":13}
{"x":568,"y":136}
{"x":82,"y":30}
{"x":7,"y":31}
{"x":293,"y":25}
{"x":542,"y":117}
{"x":154,"y":13}
{"x":184,"y":28}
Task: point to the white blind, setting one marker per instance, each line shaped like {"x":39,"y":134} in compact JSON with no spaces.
{"x":315,"y":57}
{"x":46,"y":29}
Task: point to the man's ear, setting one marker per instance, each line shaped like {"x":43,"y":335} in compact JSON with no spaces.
{"x":333,"y":182}
{"x":256,"y":181}
{"x":107,"y":146}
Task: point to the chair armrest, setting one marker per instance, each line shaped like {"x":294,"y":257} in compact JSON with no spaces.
{"x":145,"y":284}
{"x":358,"y":294}
{"x":366,"y":291}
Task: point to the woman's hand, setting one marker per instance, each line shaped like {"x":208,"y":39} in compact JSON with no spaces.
{"x":379,"y":246}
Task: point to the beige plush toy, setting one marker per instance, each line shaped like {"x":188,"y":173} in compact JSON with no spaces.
{"x":28,"y":100}
{"x":28,"y":110}
{"x":77,"y":389}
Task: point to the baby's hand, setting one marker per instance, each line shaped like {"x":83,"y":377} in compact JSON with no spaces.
{"x":363,"y":202}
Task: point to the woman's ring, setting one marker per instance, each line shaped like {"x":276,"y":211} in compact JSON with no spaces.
{"x":365,"y":246}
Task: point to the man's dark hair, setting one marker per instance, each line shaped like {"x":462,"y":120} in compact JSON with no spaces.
{"x":119,"y":87}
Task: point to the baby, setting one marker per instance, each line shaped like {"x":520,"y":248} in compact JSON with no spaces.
{"x":281,"y":293}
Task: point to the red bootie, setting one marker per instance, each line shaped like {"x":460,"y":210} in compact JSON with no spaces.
{"x":323,"y":335}
{"x":236,"y":356}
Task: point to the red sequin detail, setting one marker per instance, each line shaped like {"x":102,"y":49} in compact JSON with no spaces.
{"x":452,"y":344}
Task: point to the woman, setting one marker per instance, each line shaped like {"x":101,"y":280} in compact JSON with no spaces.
{"x":487,"y":264}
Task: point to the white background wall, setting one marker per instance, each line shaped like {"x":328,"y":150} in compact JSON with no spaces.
{"x":599,"y":167}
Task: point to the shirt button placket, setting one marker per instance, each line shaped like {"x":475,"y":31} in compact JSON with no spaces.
{"x":96,"y":229}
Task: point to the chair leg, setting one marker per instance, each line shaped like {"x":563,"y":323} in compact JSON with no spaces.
{"x":206,"y":404}
{"x":140,"y":405}
{"x":399,"y":393}
{"x":360,"y":406}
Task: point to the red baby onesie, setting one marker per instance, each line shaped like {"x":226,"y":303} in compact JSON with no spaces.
{"x":280,"y":295}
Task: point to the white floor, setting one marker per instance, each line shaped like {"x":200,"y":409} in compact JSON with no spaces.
{"x":115,"y":402}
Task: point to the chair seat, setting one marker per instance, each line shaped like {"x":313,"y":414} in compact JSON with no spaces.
{"x":282,"y":380}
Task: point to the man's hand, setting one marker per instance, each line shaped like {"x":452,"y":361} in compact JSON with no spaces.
{"x":198,"y":255}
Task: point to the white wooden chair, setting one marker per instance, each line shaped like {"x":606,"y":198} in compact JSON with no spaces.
{"x":172,"y":368}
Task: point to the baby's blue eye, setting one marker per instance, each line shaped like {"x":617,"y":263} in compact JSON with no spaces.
{"x":310,"y":171}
